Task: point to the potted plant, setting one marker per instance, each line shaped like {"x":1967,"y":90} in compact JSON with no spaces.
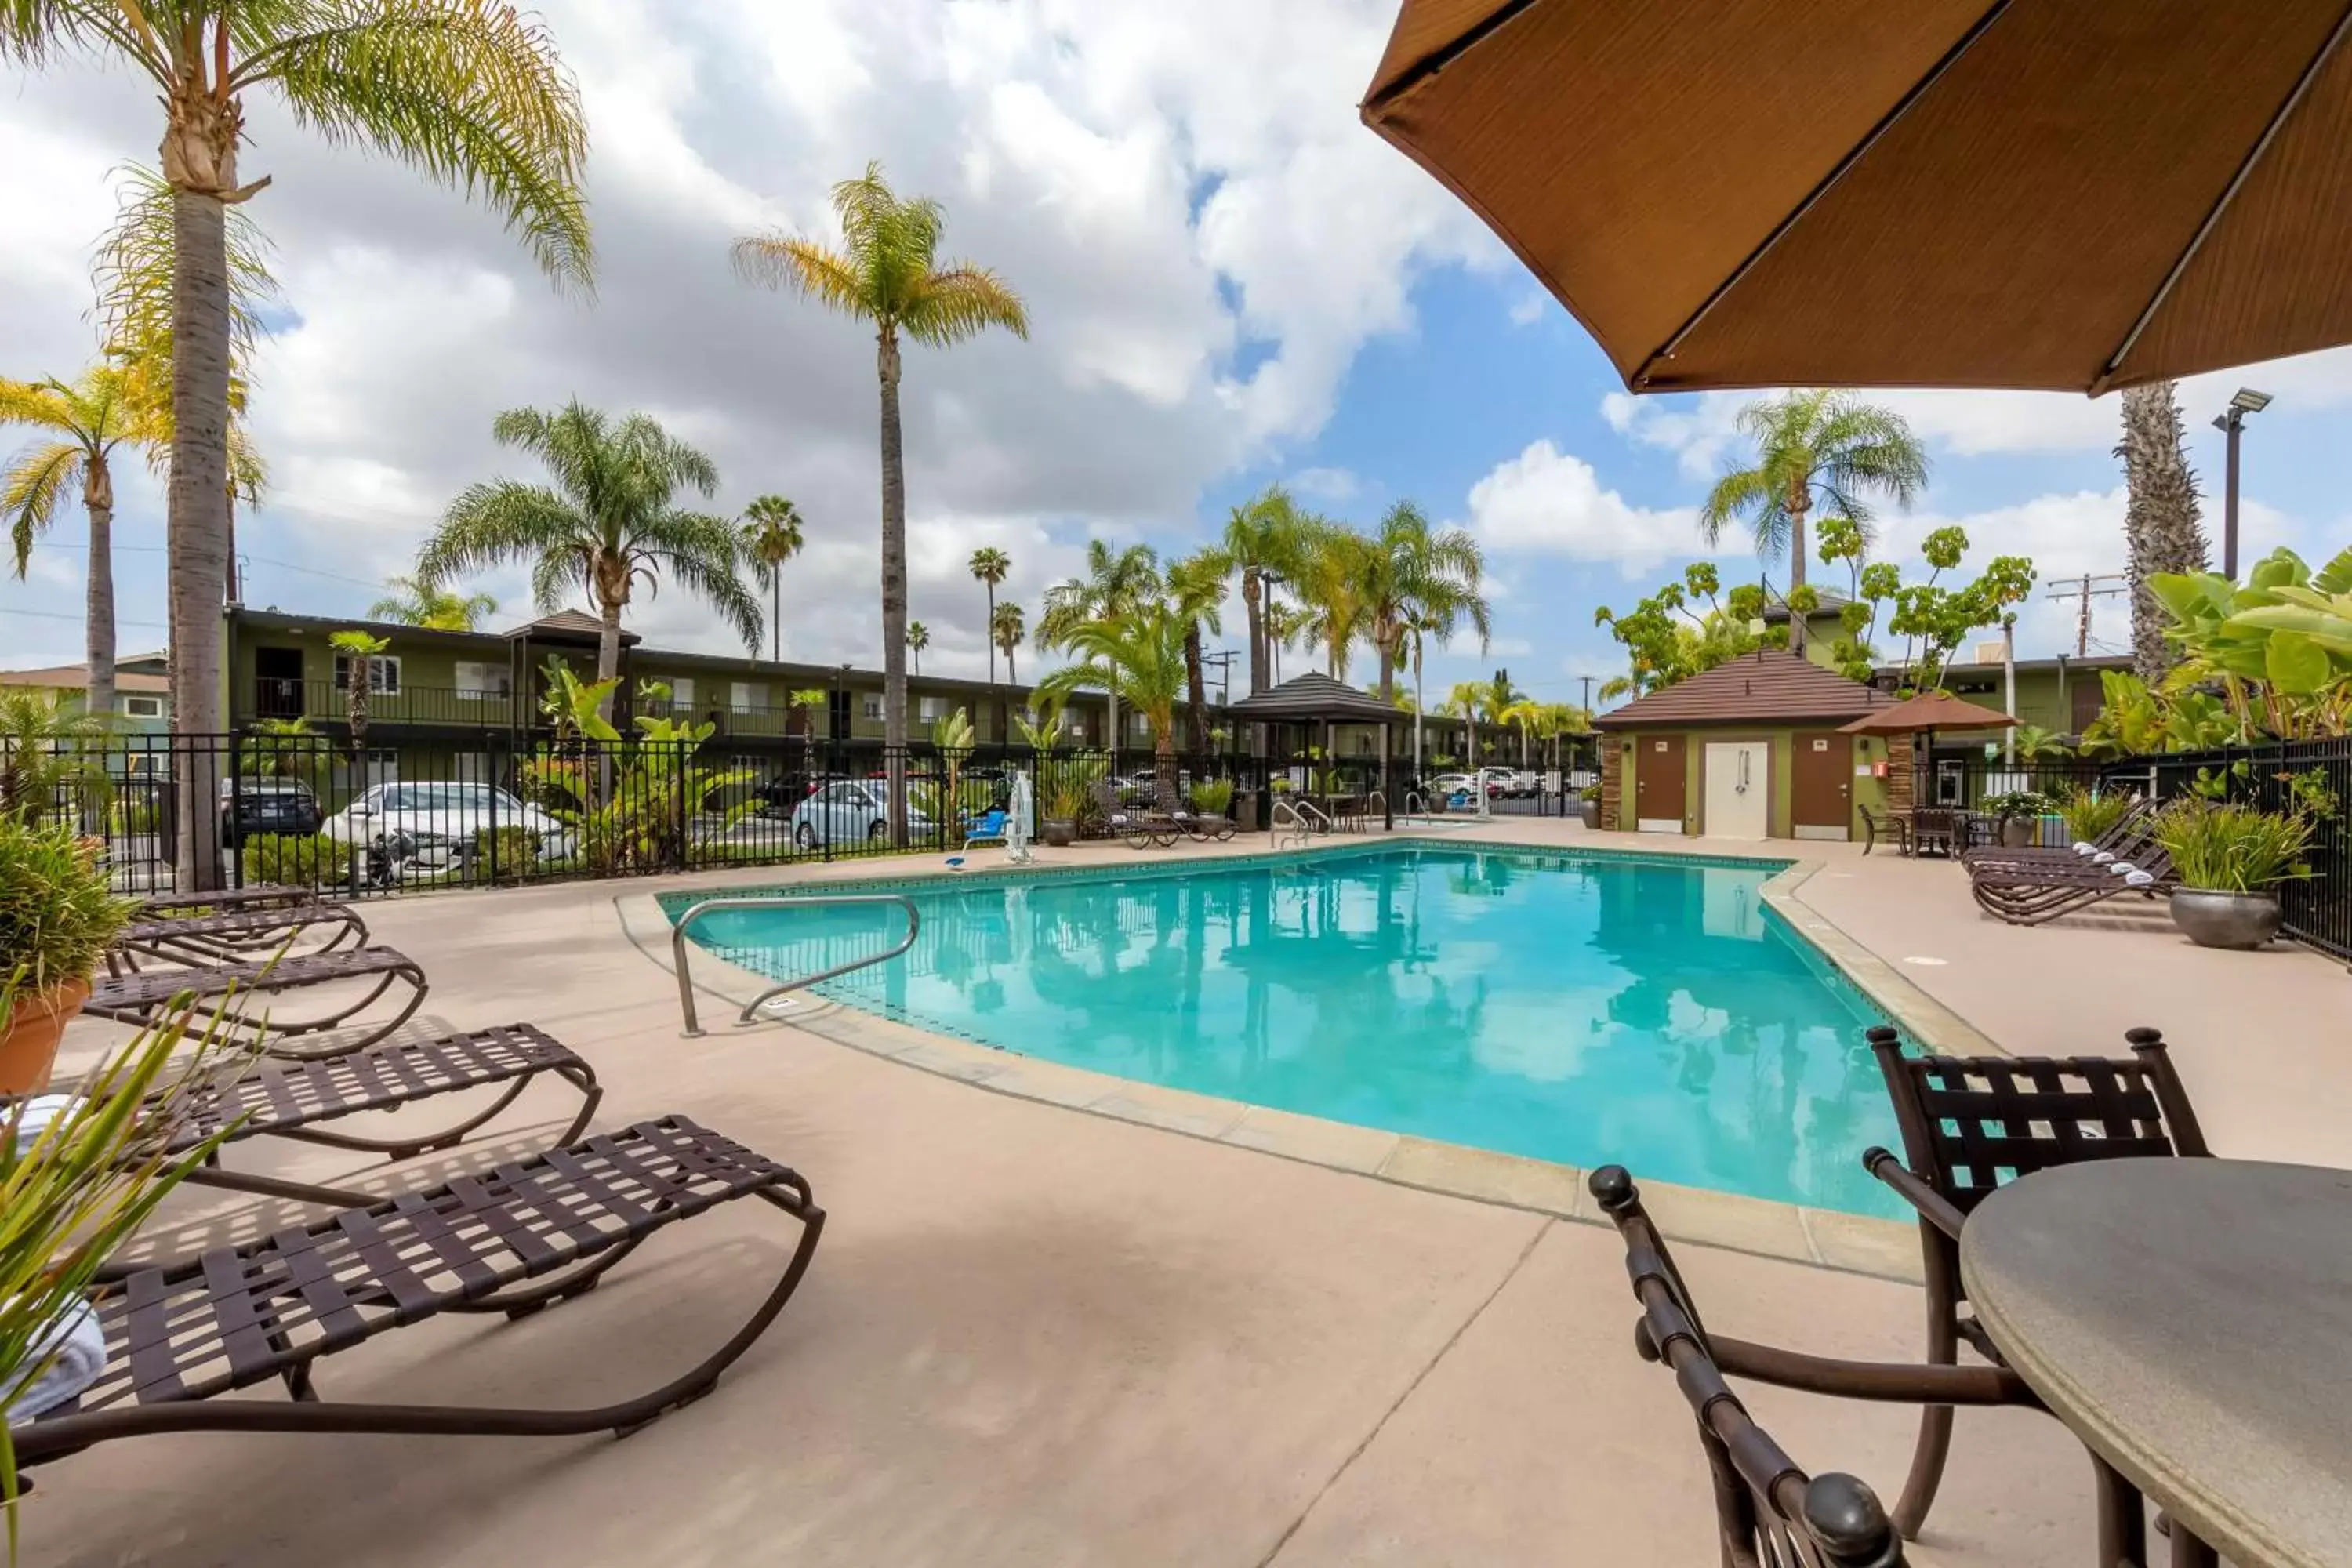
{"x":1212,"y":797}
{"x":2091,"y":816}
{"x":2230,"y":859}
{"x":1062,"y":809}
{"x":57,"y":917}
{"x":2017,"y":812}
{"x":1588,"y":801}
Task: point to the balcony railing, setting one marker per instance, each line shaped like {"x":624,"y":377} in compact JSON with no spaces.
{"x":275,"y":698}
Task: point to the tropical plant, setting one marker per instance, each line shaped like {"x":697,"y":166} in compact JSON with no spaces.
{"x":607,"y":524}
{"x":1005,"y":630}
{"x":52,"y":757}
{"x":413,"y":603}
{"x":804,"y":704}
{"x":886,"y":272}
{"x":990,"y":566}
{"x":1196,"y":590}
{"x":2092,"y":813}
{"x":58,"y":914}
{"x":631,"y":807}
{"x":469,"y":92}
{"x":293,"y":860}
{"x":772,"y":536}
{"x":1116,"y":583}
{"x":919,"y":638}
{"x":1933,"y":620}
{"x":1285,"y":625}
{"x":576,"y":708}
{"x":2135,"y":720}
{"x":2012,"y":805}
{"x":2228,"y":848}
{"x":1815,"y":450}
{"x":2279,"y":648}
{"x":359,"y":649}
{"x":1668,"y":640}
{"x":1211,"y":796}
{"x":510,"y":849}
{"x":1042,"y":726}
{"x":1417,"y":580}
{"x":80,"y":428}
{"x":2033,"y":743}
{"x":2162,"y":532}
{"x":1262,"y":542}
{"x":79,"y":1187}
{"x":1138,"y":656}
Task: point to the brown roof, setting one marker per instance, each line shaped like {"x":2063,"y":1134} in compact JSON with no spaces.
{"x":74,"y":676}
{"x":568,"y":624}
{"x":1766,"y":687}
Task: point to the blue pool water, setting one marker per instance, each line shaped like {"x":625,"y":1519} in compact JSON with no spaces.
{"x":1581,"y":1007}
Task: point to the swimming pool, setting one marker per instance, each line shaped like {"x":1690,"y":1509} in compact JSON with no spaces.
{"x":1576,"y":1007}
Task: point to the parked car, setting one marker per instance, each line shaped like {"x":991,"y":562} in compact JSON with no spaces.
{"x":1449,"y":787}
{"x":851,"y":811}
{"x":250,"y":806}
{"x":1500,"y":780}
{"x":1136,"y":789}
{"x":1526,"y":783}
{"x":439,"y":821}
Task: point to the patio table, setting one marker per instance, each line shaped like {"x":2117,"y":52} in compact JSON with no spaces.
{"x":2191,"y":1321}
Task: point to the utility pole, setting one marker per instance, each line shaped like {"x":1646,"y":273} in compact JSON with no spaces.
{"x":2089,"y":586}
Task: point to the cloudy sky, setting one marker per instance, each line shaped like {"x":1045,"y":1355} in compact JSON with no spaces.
{"x":1231,"y":282}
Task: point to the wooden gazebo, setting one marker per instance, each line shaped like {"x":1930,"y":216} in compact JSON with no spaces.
{"x":1318,"y":698}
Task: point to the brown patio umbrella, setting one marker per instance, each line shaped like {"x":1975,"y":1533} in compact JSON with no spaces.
{"x":2075,"y":194}
{"x":1928,"y":710}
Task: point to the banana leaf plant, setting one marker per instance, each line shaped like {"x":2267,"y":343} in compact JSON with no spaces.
{"x":2279,"y":645}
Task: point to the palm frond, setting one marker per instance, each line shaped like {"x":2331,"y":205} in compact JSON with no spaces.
{"x":702,"y":553}
{"x":943,"y":308}
{"x":803,"y":267}
{"x":501,"y":521}
{"x":32,"y":31}
{"x":30,"y":491}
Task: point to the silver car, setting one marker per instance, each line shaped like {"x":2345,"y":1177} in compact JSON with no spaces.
{"x":850,"y":811}
{"x":440,"y":821}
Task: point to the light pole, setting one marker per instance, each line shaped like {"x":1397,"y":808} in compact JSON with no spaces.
{"x":2230,"y":421}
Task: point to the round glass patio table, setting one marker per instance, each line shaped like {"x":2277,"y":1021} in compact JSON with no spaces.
{"x":2191,"y":1321}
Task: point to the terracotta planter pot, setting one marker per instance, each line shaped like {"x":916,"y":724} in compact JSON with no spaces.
{"x":2239,"y":921}
{"x":1060,"y":832}
{"x":28,"y":1046}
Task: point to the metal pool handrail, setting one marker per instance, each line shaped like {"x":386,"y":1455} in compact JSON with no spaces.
{"x":1416,"y":805}
{"x":1307,"y":819}
{"x":813,"y":901}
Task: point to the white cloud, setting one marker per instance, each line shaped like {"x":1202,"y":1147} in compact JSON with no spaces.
{"x":1530,"y":308}
{"x":1547,"y":501}
{"x":1325,"y":484}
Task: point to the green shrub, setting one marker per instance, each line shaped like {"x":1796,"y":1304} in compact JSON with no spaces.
{"x":2229,"y":848}
{"x":2017,"y":804}
{"x":141,"y":813}
{"x":516,"y":852}
{"x":1213,"y":796}
{"x":2091,"y":816}
{"x":294,"y":859}
{"x":57,"y":912}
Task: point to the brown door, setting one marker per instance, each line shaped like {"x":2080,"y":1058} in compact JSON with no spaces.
{"x":1824,"y":782}
{"x":1658,"y":778}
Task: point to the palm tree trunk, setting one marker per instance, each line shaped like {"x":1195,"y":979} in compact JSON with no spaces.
{"x":97,"y":498}
{"x":608,"y":652}
{"x":1012,"y":675}
{"x":361,"y":677}
{"x":1196,"y":692}
{"x":990,"y":625}
{"x":1387,"y":670}
{"x":1254,"y":603}
{"x":1163,"y":747}
{"x":776,"y":615}
{"x":197,"y":542}
{"x":2161,"y":529}
{"x":1797,"y":628}
{"x":894,"y":586}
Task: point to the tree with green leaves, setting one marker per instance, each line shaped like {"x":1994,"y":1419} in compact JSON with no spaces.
{"x":1817,"y":451}
{"x":469,"y":92}
{"x":886,"y":272}
{"x":2162,"y":533}
{"x":1117,"y":581}
{"x":1262,"y":541}
{"x":990,"y":566}
{"x":1934,"y":620}
{"x":1005,"y":631}
{"x":1668,"y":639}
{"x":1331,"y":576}
{"x":1413,"y":579}
{"x":919,"y":638}
{"x":772,"y":536}
{"x":607,"y":523}
{"x":1196,"y":589}
{"x":359,"y":649}
{"x":1137,"y":656}
{"x":415,"y":603}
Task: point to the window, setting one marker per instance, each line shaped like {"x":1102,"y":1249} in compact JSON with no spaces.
{"x":1077,"y":725}
{"x":1139,"y":725}
{"x":483,"y":683}
{"x":742,"y":696}
{"x":681,"y":692}
{"x":929,"y":708}
{"x":383,"y":674}
{"x":872,"y":705}
{"x":143,"y":707}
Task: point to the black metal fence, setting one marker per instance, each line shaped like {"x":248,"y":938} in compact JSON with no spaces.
{"x":2314,"y":776}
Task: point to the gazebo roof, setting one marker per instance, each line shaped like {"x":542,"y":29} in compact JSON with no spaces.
{"x":568,"y":626}
{"x":1315,"y":696}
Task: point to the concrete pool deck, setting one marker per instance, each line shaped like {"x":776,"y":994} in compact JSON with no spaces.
{"x":1038,"y":1335}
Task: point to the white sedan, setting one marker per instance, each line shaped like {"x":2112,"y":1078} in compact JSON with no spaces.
{"x":851,"y":811}
{"x":441,"y":820}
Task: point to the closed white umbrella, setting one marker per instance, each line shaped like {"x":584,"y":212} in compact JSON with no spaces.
{"x":1020,"y":821}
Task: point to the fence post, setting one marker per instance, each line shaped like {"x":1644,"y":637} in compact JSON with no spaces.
{"x":494,"y":785}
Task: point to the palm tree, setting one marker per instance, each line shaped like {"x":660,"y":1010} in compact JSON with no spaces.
{"x":1416,"y":579}
{"x":1466,"y":702}
{"x":1284,"y":624}
{"x":1328,"y":575}
{"x":1529,"y":717}
{"x":885,"y":273}
{"x":919,"y":638}
{"x":989,"y":566}
{"x":413,"y":603}
{"x":607,"y":522}
{"x":772,"y":536}
{"x":1137,"y":655}
{"x":1262,"y":542}
{"x":1005,"y":631}
{"x":2161,"y":530}
{"x":469,"y":93}
{"x":1196,"y":589}
{"x":1117,"y":582}
{"x":359,"y":650}
{"x":1824,"y":449}
{"x":80,"y":427}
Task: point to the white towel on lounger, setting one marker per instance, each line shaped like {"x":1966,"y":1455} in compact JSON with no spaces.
{"x":2138,"y":880}
{"x":39,"y":1111}
{"x":79,"y":1344}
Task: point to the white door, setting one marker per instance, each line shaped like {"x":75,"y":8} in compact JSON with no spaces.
{"x":1737,"y":773}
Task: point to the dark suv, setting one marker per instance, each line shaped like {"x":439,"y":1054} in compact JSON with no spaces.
{"x":250,"y":806}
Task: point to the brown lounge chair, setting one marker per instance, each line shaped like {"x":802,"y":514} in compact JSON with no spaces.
{"x":143,"y":997}
{"x":2130,"y":835}
{"x":225,"y":936}
{"x":1136,"y":826}
{"x":289,"y":1099}
{"x":1967,"y":1120}
{"x":510,"y":1240}
{"x":1769,"y":1513}
{"x":2031,"y":895}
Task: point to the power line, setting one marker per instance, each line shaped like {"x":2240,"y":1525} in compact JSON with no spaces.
{"x":62,"y":615}
{"x":2090,"y":586}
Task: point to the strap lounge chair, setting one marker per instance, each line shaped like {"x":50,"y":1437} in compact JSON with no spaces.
{"x":1136,"y":826}
{"x":289,"y":1099}
{"x":509,"y":1240}
{"x":1769,"y":1512}
{"x":1202,"y":828}
{"x":145,"y":997}
{"x":1965,"y":1120}
{"x":2033,"y":895}
{"x":2129,"y":835}
{"x":227,"y":935}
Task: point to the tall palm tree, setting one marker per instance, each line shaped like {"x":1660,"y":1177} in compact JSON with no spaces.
{"x":1196,"y":590}
{"x":1005,"y":631}
{"x":80,"y":425}
{"x":1137,"y":656}
{"x":413,"y":603}
{"x":1528,"y":717}
{"x":989,"y":566}
{"x":885,"y":271}
{"x":607,"y":523}
{"x":1328,"y":575}
{"x":1261,"y":541}
{"x":1117,"y":582}
{"x":919,"y":638}
{"x":2161,"y":529}
{"x":469,"y":92}
{"x":1468,"y":702}
{"x":1284,"y":624}
{"x":1820,"y":451}
{"x":772,"y":536}
{"x":1416,"y":580}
